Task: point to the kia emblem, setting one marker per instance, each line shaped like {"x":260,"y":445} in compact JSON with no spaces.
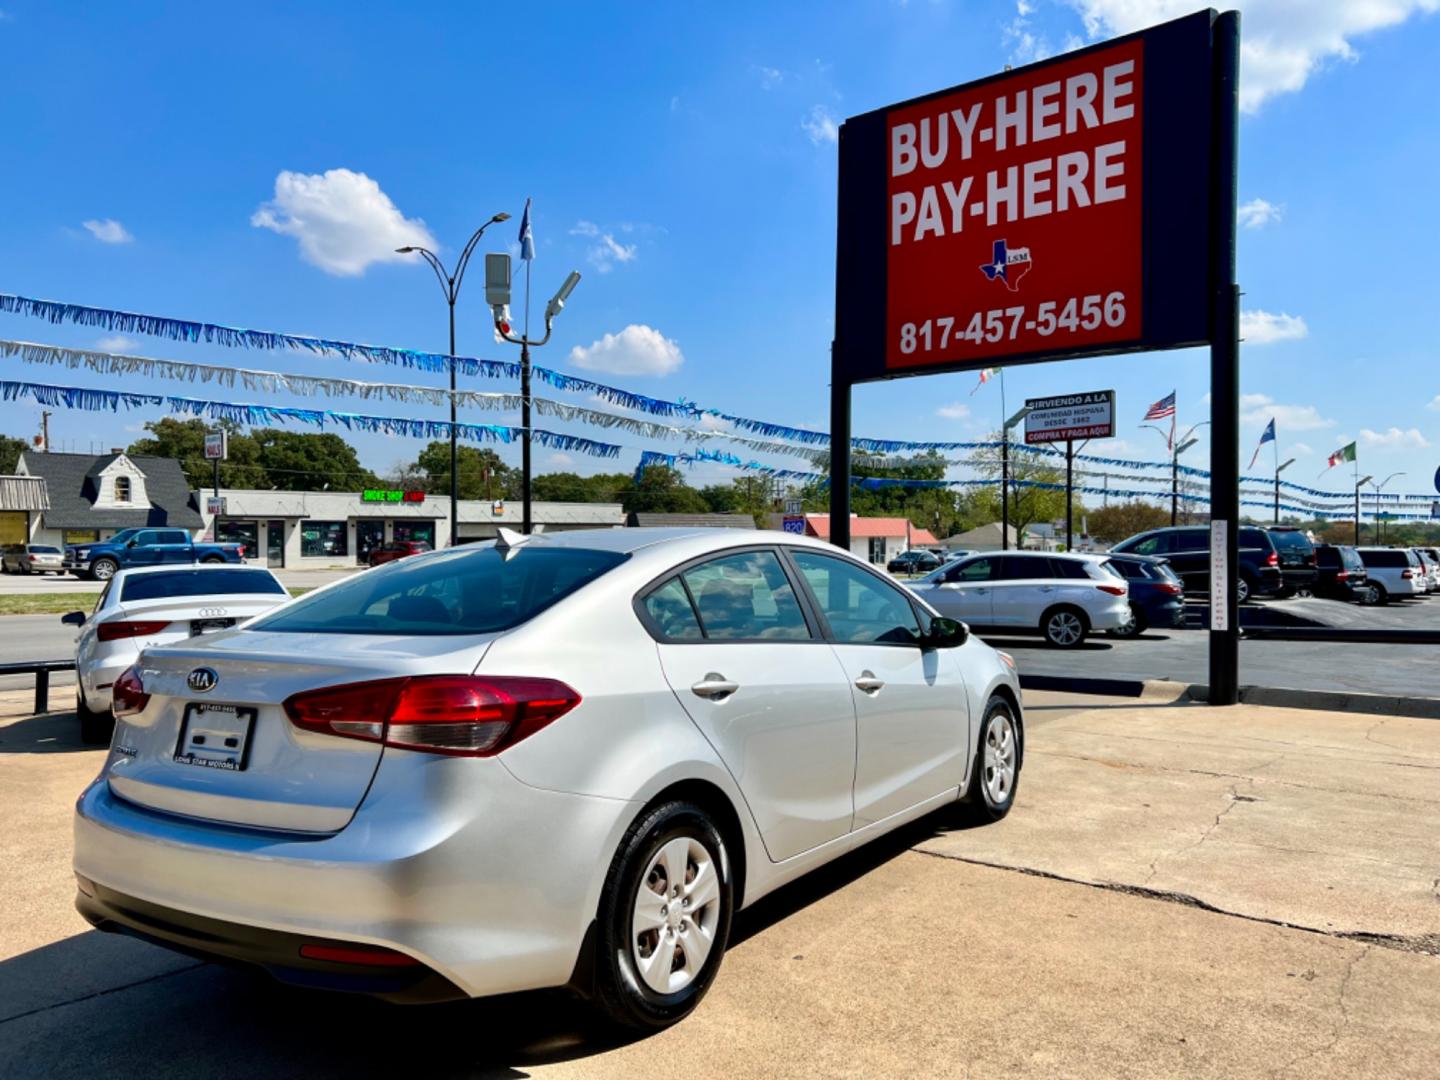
{"x":202,"y":679}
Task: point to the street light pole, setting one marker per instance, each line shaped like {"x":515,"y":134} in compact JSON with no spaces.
{"x":1278,"y":470}
{"x":1005,"y":476}
{"x":497,"y":293}
{"x":1379,"y":522}
{"x":450,"y":286}
{"x":1178,"y":446}
{"x":1358,"y":485}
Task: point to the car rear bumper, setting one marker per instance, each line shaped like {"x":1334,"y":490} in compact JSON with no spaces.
{"x":389,"y":977}
{"x":1110,"y":616}
{"x":486,"y":881}
{"x":1164,"y":614}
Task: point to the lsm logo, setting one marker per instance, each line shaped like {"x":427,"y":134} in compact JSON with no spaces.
{"x":1007,"y":264}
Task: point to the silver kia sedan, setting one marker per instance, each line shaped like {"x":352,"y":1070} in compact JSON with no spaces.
{"x":561,"y":760}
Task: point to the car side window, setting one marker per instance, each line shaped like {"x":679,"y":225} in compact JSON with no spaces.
{"x":978,"y":570}
{"x":1188,"y":540}
{"x":144,"y":538}
{"x":174,"y":536}
{"x":746,"y":596}
{"x":860,"y":608}
{"x":1133,"y":570}
{"x":104,"y":595}
{"x":672,"y":613}
{"x":1151,"y":545}
{"x":1068,"y":568}
{"x":1023,"y":568}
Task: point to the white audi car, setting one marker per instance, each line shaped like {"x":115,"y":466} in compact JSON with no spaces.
{"x":157,"y":605}
{"x":559,"y":760}
{"x":1062,"y":597}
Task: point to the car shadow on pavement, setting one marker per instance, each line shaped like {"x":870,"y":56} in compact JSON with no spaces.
{"x":1013,"y":643}
{"x":107,"y":1002}
{"x":47,"y":733}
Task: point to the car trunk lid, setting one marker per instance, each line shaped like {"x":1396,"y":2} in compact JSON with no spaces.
{"x":177,"y":756}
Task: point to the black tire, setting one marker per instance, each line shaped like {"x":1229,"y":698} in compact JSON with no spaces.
{"x":1381,"y":594}
{"x":96,"y":728}
{"x":1064,"y":626}
{"x":1244,"y":590}
{"x":212,"y":559}
{"x":103,"y":569}
{"x":1134,"y":628}
{"x":981,"y":804}
{"x":621,"y":991}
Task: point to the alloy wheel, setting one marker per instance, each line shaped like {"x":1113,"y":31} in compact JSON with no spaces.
{"x":999,"y":766}
{"x":1064,"y":628}
{"x":1242,"y":591}
{"x":676,"y":913}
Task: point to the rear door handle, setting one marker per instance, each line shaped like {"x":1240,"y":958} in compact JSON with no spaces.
{"x":715,"y":687}
{"x":869,"y":683}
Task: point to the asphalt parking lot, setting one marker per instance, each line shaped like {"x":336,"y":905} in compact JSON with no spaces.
{"x":1180,"y":891}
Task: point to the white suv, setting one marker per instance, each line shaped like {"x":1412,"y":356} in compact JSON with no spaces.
{"x":1394,"y":573}
{"x":1063,"y":597}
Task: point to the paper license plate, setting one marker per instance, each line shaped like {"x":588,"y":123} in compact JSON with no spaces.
{"x":215,"y":736}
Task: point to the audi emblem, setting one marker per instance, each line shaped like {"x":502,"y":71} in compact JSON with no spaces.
{"x":211,"y":612}
{"x":202,"y":679}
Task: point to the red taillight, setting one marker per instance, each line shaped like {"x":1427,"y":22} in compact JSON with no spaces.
{"x":128,"y":695}
{"x":1114,"y":590}
{"x":1407,"y":573}
{"x":114,"y":631}
{"x":365,"y":955}
{"x":1342,"y":575}
{"x":1272,"y":559}
{"x":32,"y":558}
{"x":242,"y":551}
{"x":468,"y":715}
{"x":1169,"y":589}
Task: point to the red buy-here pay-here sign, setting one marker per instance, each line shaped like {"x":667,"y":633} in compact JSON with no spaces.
{"x":1015,"y":214}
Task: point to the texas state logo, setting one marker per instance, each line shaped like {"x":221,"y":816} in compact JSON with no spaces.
{"x":1008,"y":265}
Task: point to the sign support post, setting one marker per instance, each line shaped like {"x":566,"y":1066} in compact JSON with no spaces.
{"x":840,"y":462}
{"x":1225,"y":361}
{"x":1005,"y":490}
{"x":1069,"y":495}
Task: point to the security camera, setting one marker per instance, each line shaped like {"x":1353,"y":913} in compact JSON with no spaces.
{"x":557,"y":302}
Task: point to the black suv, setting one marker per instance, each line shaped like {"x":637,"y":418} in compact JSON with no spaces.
{"x":1297,"y":560}
{"x":1187,"y":548}
{"x":1342,"y":573}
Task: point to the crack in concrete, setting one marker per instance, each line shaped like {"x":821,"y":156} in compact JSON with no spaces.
{"x":1422,"y":944}
{"x":1242,"y":776}
{"x":101,"y":993}
{"x":1241,"y":742}
{"x":1341,"y":1021}
{"x":1234,"y":802}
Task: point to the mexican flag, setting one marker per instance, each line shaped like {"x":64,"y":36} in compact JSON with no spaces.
{"x":1345,"y":453}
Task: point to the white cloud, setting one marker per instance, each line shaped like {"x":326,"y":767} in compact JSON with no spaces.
{"x":711,"y":422}
{"x":636,"y":350}
{"x":1395,"y":439}
{"x":342,"y":220}
{"x":770,"y":77}
{"x":1301,"y":449}
{"x":1260,"y":409}
{"x":821,"y":126}
{"x":608,"y":252}
{"x":585,"y":228}
{"x":561,"y":459}
{"x":956,"y":410}
{"x":1434,"y":404}
{"x":116,"y":343}
{"x":674,"y":104}
{"x":1283,"y":42}
{"x":1263,"y":328}
{"x":1257,"y":213}
{"x":108,"y":231}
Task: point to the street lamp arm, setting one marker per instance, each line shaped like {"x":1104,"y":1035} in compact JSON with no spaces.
{"x":464,"y":262}
{"x":439,"y":268}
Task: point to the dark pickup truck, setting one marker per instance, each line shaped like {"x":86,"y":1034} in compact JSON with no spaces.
{"x":144,"y":547}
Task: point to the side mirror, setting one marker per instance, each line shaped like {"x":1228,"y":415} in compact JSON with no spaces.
{"x":73,"y":618}
{"x":946,"y":633}
{"x":131,"y":543}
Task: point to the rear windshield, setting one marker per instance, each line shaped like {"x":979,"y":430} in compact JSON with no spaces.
{"x":176,"y":583}
{"x":43,"y":549}
{"x":1291,"y":541}
{"x":465,"y":591}
{"x":1255,"y":538}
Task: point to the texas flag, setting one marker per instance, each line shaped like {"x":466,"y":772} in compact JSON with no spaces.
{"x":1268,"y":436}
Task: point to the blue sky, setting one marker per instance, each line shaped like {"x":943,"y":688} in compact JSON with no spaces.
{"x":683,"y":158}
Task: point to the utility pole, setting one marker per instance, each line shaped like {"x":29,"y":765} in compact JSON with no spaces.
{"x":45,"y":431}
{"x":1358,"y":485}
{"x":1278,"y":470}
{"x":1005,"y":475}
{"x":1069,"y":495}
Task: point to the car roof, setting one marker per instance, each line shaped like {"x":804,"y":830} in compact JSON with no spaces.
{"x":170,"y":568}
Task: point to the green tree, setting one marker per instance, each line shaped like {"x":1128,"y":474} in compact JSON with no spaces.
{"x":1028,"y":505}
{"x":663,"y":490}
{"x":1111,"y":524}
{"x":571,"y":487}
{"x":184,"y":440}
{"x":10,"y":451}
{"x":743,"y":495}
{"x":307,"y":461}
{"x":483,"y":475}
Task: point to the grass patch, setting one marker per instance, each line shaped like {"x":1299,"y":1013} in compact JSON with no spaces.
{"x":60,"y":603}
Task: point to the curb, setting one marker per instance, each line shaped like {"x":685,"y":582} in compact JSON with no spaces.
{"x":1271,"y":696}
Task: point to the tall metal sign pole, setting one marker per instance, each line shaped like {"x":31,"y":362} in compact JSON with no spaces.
{"x":1081,"y":206}
{"x":1224,"y":362}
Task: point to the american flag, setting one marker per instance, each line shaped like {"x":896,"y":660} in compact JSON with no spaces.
{"x":1162,"y":408}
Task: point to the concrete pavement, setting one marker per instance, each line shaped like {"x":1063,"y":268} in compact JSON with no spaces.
{"x":1079,"y":937}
